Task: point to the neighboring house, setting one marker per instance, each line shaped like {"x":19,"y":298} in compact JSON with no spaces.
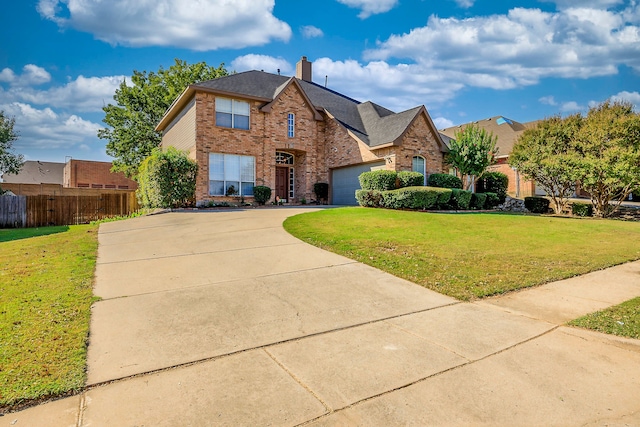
{"x":92,"y":174}
{"x":73,"y":174}
{"x":36,"y":172}
{"x":288,"y":133}
{"x":507,"y":132}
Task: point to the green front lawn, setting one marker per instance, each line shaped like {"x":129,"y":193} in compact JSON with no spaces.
{"x":46,"y":278}
{"x":622,"y":320}
{"x":470,"y":256}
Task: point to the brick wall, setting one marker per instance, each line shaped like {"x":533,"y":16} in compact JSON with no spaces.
{"x":413,"y":144}
{"x":90,"y":174}
{"x":527,"y":187}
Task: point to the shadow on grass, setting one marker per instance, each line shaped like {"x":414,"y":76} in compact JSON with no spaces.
{"x":9,"y":234}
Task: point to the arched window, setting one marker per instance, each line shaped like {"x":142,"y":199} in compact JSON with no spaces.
{"x":419,"y":165}
{"x":283,"y":158}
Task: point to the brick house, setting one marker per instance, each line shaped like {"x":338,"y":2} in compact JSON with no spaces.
{"x":288,"y":133}
{"x":507,"y":132}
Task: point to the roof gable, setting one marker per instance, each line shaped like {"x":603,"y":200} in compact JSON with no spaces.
{"x":280,"y":90}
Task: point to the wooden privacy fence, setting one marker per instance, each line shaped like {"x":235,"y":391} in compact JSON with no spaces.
{"x":13,"y":211}
{"x":44,"y":210}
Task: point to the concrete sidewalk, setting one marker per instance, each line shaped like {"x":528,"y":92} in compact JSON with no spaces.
{"x":222,"y":318}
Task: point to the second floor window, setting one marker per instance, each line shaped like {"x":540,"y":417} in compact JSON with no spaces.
{"x":231,"y":113}
{"x":291,"y":123}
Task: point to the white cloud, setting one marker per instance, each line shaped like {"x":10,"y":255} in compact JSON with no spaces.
{"x":82,"y":94}
{"x":632,"y":97}
{"x":521,"y":47}
{"x":397,"y":87}
{"x":46,"y":129}
{"x":370,"y":7}
{"x":465,"y":4}
{"x":7,"y":75}
{"x":261,"y":62}
{"x":198,"y":25}
{"x":571,"y":107}
{"x":309,"y":32}
{"x":548,"y":100}
{"x":442,"y":123}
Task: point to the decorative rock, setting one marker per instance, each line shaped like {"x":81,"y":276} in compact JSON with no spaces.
{"x":512,"y":205}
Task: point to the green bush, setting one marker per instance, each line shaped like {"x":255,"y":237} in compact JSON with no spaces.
{"x":444,"y":180}
{"x":478,"y":200}
{"x":410,"y":179}
{"x":261,"y":194}
{"x":460,"y":199}
{"x":443,"y":199}
{"x":167,"y":179}
{"x":582,"y":209}
{"x":493,"y":200}
{"x":321,"y":190}
{"x":369,"y":198}
{"x":381,"y":180}
{"x":413,"y":197}
{"x":536,"y":204}
{"x":494,"y":182}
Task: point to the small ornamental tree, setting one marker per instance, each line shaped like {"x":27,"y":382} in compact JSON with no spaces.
{"x":546,"y":155}
{"x":471,"y":152}
{"x":608,"y":147}
{"x":167,"y":179}
{"x":10,"y":162}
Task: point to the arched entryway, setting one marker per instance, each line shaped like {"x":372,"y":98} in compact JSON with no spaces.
{"x":285,"y":176}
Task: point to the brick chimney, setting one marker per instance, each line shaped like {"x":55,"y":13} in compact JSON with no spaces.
{"x":303,"y":69}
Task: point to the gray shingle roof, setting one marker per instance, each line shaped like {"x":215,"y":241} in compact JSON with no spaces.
{"x":372,"y":123}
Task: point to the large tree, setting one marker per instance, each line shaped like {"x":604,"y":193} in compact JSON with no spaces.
{"x":140,"y":104}
{"x":471,"y":152}
{"x":546,"y":155}
{"x":608,"y":147}
{"x":9,"y":161}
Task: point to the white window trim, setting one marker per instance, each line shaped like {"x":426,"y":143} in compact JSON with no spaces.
{"x":233,"y":113}
{"x":424,"y":168}
{"x":291,"y":125}
{"x":239,"y":180}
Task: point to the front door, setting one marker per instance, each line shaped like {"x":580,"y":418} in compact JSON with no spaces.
{"x":282,"y":183}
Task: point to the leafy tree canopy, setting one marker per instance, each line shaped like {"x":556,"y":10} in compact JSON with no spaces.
{"x":139,"y":107}
{"x":608,"y":147}
{"x":546,"y":155}
{"x":9,"y":161}
{"x":471,"y":152}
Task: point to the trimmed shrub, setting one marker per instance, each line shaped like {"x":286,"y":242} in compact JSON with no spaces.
{"x":261,"y":194}
{"x":493,"y":200}
{"x":460,"y":199}
{"x":369,"y":198}
{"x":167,"y":179}
{"x":413,"y":197}
{"x":381,"y":180}
{"x":494,"y":182}
{"x":478,"y":200}
{"x":582,"y":209}
{"x":444,"y":180}
{"x":443,"y":199}
{"x":536,"y":204}
{"x":321,"y":190}
{"x":410,"y":179}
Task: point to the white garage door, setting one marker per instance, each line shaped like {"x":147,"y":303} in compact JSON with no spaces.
{"x":344,"y":182}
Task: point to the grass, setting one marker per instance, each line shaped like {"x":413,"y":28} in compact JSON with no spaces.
{"x":46,"y":279}
{"x":622,"y":320}
{"x":469,"y":256}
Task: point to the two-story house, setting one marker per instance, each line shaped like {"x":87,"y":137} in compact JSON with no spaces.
{"x":288,"y":133}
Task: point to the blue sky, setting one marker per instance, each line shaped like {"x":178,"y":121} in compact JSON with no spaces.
{"x":465,"y":60}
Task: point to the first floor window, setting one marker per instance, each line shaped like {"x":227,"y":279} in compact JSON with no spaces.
{"x":231,"y":175}
{"x":418,"y":165}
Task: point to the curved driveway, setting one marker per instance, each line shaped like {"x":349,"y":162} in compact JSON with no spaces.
{"x":222,"y":318}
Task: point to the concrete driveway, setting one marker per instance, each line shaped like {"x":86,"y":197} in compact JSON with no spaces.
{"x":222,"y":318}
